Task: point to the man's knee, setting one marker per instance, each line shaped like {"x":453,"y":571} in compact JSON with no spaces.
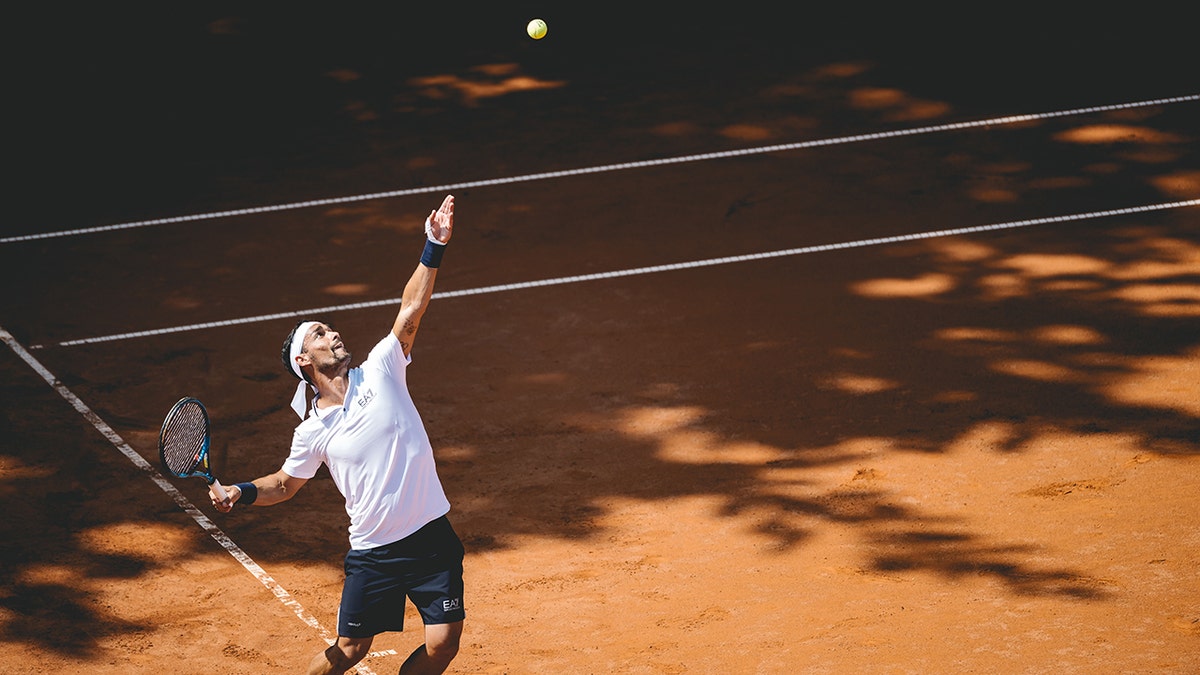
{"x":347,"y":652}
{"x":442,"y":652}
{"x":441,"y":643}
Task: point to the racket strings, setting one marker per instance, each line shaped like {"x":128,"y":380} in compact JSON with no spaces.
{"x":183,"y":439}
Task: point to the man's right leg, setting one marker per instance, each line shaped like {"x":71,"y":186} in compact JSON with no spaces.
{"x":341,"y":656}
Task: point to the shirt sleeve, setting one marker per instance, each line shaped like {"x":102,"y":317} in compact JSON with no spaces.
{"x":388,"y":356}
{"x":304,"y":461}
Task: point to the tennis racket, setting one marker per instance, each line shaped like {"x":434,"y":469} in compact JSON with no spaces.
{"x":183,"y":443}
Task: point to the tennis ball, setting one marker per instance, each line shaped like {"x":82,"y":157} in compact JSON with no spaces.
{"x":536,"y":29}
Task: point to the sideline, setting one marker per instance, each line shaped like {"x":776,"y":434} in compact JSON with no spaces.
{"x":450,"y":187}
{"x":861,"y":243}
{"x":183,"y":502}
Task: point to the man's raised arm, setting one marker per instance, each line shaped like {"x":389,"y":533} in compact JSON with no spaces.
{"x":438,"y":228}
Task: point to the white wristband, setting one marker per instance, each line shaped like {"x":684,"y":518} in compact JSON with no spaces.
{"x":429,"y":233}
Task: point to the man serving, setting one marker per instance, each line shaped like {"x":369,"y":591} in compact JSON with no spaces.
{"x":364,"y":427}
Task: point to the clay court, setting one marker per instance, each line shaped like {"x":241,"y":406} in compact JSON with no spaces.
{"x":864,"y":344}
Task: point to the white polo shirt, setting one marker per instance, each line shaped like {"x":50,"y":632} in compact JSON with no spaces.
{"x":377,"y":452}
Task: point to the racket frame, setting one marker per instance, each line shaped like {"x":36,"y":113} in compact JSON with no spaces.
{"x":201,"y":468}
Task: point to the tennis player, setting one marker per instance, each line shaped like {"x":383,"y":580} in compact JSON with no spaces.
{"x":364,"y":427}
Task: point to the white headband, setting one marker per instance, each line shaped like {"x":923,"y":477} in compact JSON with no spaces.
{"x":299,"y":402}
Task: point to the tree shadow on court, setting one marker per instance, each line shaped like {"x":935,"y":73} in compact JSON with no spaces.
{"x":72,"y":514}
{"x":653,"y":396}
{"x":1001,"y":340}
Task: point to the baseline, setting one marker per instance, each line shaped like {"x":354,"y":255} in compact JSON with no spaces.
{"x":861,"y":243}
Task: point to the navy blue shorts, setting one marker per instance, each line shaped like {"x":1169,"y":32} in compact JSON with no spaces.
{"x":425,"y":566}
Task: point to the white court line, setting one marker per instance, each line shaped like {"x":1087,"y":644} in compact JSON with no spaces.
{"x":954,"y":126}
{"x":320,"y":311}
{"x":183,"y":502}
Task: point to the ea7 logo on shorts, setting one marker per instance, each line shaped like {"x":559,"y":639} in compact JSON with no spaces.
{"x":451,"y":605}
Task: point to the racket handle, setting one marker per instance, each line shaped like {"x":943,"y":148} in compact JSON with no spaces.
{"x":221,"y":494}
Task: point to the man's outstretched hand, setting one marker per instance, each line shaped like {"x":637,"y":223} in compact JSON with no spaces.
{"x":441,"y":222}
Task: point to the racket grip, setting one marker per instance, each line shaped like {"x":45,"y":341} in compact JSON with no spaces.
{"x":221,"y":494}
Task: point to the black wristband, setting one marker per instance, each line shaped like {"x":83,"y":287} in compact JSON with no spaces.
{"x":431,"y":257}
{"x":249,"y":493}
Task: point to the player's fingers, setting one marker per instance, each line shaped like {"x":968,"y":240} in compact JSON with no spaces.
{"x":221,"y":504}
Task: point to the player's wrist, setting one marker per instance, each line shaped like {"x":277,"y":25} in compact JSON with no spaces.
{"x":431,"y":257}
{"x":430,"y":237}
{"x":249,"y":493}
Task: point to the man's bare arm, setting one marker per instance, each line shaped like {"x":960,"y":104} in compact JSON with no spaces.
{"x":272,"y":489}
{"x":419,"y":288}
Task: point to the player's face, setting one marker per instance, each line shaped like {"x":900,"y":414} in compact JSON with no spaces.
{"x":324,"y":346}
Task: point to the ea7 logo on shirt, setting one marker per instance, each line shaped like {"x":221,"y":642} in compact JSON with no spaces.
{"x":367,"y":397}
{"x":451,"y":605}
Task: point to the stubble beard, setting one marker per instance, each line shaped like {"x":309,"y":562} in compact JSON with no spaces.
{"x":338,"y":364}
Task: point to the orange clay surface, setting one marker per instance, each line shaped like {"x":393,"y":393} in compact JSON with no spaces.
{"x":956,"y":454}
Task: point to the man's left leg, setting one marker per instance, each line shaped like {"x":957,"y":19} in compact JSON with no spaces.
{"x":440,"y":648}
{"x":340,"y":656}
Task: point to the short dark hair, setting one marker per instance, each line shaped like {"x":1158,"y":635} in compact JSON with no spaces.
{"x":286,"y":353}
